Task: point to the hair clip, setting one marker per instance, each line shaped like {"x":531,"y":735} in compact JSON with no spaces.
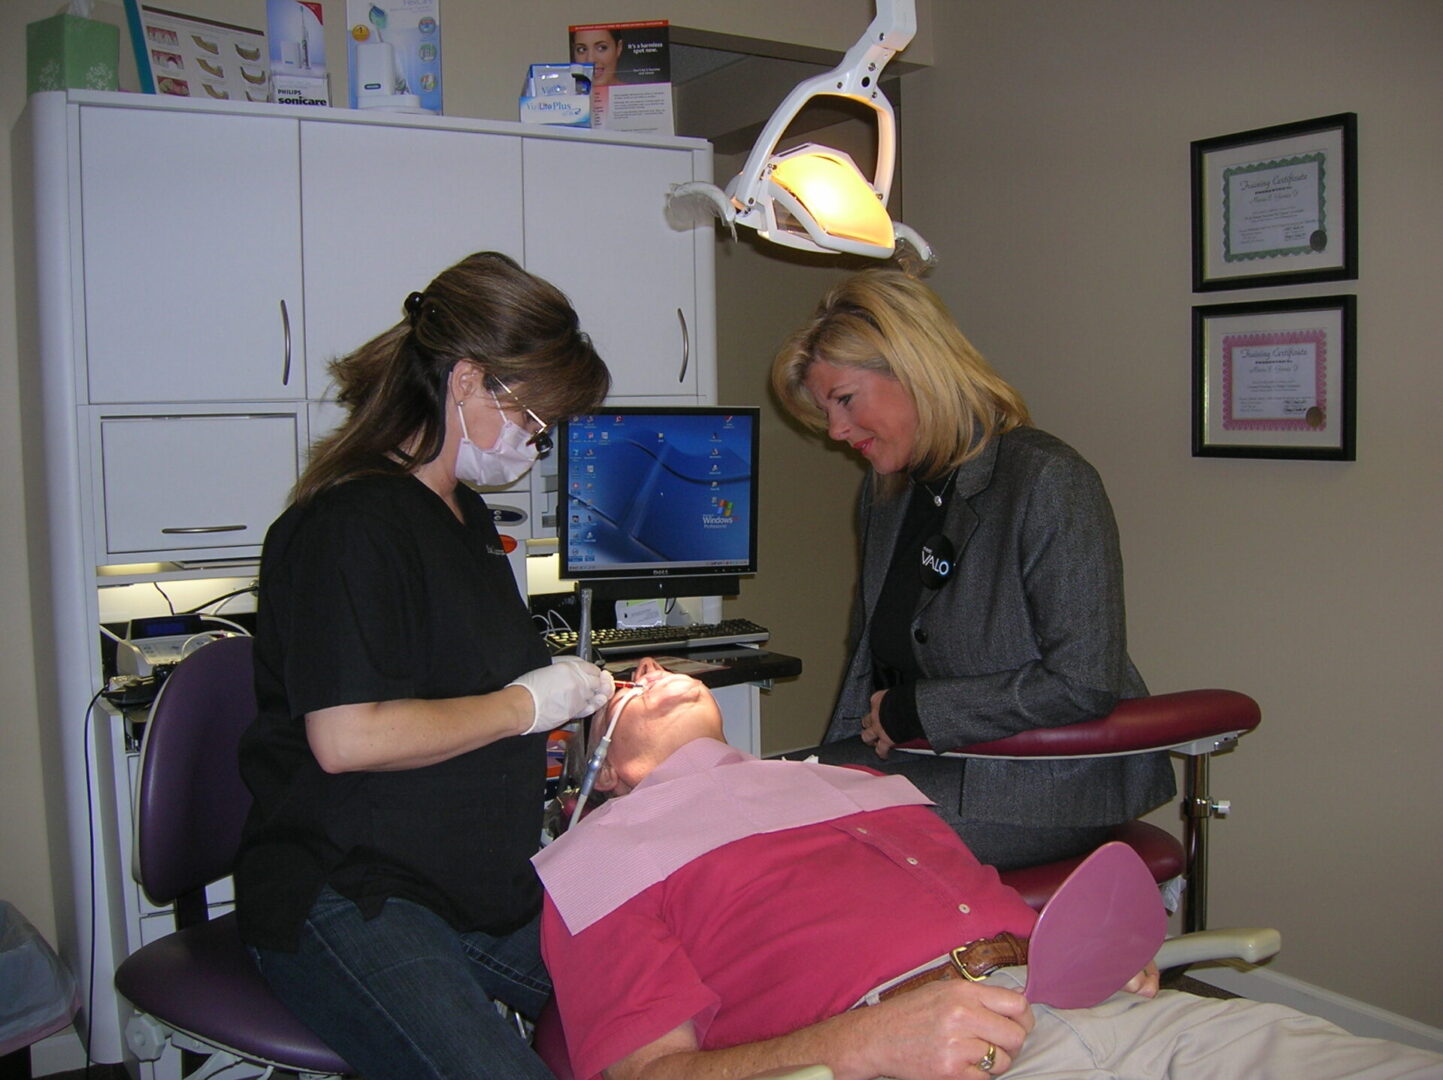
{"x":413,"y":306}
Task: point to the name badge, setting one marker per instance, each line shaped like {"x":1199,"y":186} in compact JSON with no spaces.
{"x":938,"y":559}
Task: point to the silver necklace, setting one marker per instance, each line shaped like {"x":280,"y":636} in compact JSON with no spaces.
{"x":937,"y":495}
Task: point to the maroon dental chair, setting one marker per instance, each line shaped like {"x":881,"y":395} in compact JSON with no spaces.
{"x":1194,"y":724}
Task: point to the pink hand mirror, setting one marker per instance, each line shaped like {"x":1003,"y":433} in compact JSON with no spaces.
{"x":1100,"y":928}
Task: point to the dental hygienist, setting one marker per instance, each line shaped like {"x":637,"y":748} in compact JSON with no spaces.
{"x":397,"y":762}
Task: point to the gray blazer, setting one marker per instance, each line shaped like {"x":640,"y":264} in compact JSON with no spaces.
{"x":1028,"y":631}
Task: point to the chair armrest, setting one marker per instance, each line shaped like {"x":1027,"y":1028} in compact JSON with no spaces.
{"x":1160,"y":722}
{"x":1252,"y":943}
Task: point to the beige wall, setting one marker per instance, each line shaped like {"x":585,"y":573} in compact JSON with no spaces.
{"x":1049,"y":166}
{"x":807,"y":559}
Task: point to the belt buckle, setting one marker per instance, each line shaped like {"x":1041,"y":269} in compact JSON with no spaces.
{"x":958,"y":958}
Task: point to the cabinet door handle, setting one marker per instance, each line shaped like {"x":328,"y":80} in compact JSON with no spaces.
{"x":193,"y":529}
{"x":286,"y":327}
{"x":685,"y":344}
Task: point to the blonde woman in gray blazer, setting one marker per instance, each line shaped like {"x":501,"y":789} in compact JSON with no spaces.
{"x":990,"y":598}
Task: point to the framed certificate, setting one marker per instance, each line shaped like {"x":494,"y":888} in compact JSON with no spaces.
{"x":1276,"y":206}
{"x":1274,"y":379}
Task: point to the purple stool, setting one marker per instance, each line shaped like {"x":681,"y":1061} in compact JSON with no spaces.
{"x":198,"y":988}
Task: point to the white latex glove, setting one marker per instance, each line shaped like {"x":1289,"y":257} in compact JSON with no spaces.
{"x":569,"y":688}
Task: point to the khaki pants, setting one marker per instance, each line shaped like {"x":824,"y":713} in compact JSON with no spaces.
{"x":1192,"y":1038}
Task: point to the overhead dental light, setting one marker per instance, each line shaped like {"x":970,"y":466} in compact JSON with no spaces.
{"x":815,"y":198}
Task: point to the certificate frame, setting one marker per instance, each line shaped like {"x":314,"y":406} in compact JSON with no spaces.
{"x":1276,"y":205}
{"x":1275,"y":379}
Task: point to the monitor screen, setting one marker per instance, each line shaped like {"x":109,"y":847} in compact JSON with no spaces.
{"x":653,"y":492}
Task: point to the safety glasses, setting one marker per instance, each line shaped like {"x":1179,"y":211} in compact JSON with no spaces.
{"x":541,"y":437}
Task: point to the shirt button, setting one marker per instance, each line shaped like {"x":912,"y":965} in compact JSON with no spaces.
{"x":920,"y":635}
{"x":911,"y":862}
{"x":862,"y":831}
{"x":964,"y":909}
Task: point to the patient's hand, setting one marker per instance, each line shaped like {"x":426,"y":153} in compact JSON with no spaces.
{"x":1145,"y":982}
{"x":937,"y":1032}
{"x":944,"y":1029}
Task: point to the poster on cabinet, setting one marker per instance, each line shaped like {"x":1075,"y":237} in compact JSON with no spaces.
{"x":187,"y":56}
{"x":631,"y":74}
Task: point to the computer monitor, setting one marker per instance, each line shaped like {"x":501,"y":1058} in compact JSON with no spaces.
{"x":658,"y":501}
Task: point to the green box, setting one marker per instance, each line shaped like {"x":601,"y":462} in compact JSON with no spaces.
{"x":66,"y":51}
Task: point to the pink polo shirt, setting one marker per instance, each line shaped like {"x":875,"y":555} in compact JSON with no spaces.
{"x":772,"y":932}
{"x":705,"y":795}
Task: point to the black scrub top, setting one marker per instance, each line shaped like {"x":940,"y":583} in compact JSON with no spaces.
{"x":374,"y":591}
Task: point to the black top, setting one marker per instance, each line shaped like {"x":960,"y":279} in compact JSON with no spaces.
{"x":896,"y":665}
{"x":374,"y":591}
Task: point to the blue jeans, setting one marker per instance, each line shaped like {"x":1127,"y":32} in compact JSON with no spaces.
{"x":403,"y":996}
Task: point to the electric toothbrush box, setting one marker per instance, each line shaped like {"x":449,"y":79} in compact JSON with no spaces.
{"x":557,"y":94}
{"x":296,"y":35}
{"x":393,"y":48}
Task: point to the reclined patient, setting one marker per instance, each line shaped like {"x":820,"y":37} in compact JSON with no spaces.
{"x":723,"y":917}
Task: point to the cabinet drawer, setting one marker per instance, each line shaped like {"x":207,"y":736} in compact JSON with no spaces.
{"x":194,"y":486}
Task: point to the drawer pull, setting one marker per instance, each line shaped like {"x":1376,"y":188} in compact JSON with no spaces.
{"x":193,"y":529}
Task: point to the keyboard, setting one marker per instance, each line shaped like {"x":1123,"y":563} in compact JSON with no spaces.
{"x":653,"y":639}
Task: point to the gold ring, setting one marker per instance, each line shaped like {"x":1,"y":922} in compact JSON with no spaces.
{"x":989,"y":1059}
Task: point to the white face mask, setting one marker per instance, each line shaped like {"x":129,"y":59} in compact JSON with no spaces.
{"x":504,"y":462}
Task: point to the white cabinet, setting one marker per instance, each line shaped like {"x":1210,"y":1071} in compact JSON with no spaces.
{"x":192,"y":256}
{"x":186,"y":273}
{"x":385,"y":209}
{"x":596,"y":227}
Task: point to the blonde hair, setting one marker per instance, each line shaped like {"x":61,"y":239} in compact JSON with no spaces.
{"x":516,"y":327}
{"x":888,"y":322}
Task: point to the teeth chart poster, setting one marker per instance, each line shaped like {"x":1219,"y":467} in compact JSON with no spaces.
{"x":189,"y":56}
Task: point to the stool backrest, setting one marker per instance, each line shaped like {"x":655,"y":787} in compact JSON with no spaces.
{"x":192,"y":802}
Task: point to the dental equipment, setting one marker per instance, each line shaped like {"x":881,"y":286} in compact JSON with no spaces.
{"x":598,"y":756}
{"x":813,"y":197}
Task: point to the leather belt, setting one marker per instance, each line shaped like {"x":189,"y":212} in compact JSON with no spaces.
{"x":973,"y":961}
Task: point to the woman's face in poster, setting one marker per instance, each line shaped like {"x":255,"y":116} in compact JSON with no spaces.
{"x":599,"y":48}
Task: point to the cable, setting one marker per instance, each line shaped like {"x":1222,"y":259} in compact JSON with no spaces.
{"x":552,"y":620}
{"x":237,"y":627}
{"x":90,"y":829}
{"x":251,"y":588}
{"x":168,"y":602}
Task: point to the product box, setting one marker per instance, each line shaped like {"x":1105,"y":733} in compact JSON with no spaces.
{"x":300,"y":89}
{"x":66,"y":51}
{"x":297,"y":40}
{"x":393,"y":48}
{"x":631,"y":85}
{"x":557,"y":94}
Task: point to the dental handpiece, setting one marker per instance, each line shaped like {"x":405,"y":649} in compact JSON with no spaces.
{"x":588,"y":780}
{"x":598,"y":756}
